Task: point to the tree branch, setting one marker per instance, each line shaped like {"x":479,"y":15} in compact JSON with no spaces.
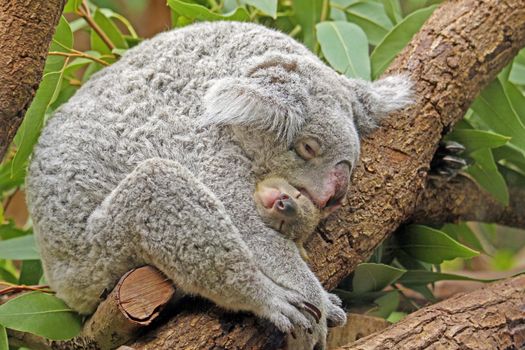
{"x":462,"y":199}
{"x":489,"y":318}
{"x":26,"y":29}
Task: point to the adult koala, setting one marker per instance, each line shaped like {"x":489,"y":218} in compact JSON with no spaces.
{"x":155,"y":160}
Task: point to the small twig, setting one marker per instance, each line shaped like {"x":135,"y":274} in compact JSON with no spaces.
{"x":13,"y":288}
{"x":83,"y":12}
{"x":78,"y":54}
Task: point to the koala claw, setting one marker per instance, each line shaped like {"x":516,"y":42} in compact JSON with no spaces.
{"x":312,"y":310}
{"x":336,"y":316}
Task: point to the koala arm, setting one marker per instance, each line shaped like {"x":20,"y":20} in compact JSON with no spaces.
{"x":179,"y":226}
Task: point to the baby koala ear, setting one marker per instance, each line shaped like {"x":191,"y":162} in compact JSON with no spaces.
{"x":272,"y":95}
{"x":377,"y":99}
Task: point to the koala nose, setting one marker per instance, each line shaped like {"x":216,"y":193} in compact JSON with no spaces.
{"x":285,"y":205}
{"x":335,"y":186}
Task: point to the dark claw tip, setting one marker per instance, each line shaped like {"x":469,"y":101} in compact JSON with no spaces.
{"x":310,"y":331}
{"x":293,"y":335}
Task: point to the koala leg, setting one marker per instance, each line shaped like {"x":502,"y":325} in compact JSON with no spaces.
{"x":175,"y":223}
{"x":336,"y":316}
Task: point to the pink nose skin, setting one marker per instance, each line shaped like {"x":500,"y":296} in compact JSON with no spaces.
{"x":269,"y":196}
{"x":334,"y":187}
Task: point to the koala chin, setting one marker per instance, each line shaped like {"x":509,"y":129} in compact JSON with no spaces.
{"x":154,"y":161}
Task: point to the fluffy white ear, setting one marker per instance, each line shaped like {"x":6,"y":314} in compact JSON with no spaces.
{"x":377,"y":99}
{"x":271,"y":96}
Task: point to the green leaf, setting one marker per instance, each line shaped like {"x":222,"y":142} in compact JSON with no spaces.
{"x":41,"y":314}
{"x":21,"y":248}
{"x":461,"y":232}
{"x":112,"y":32}
{"x":487,"y":175}
{"x":27,"y":134}
{"x":4,"y":345}
{"x":371,"y":17}
{"x":517,"y":73}
{"x":62,"y":41}
{"x":474,"y":139}
{"x":397,"y":39}
{"x":72,"y":6}
{"x":307,"y":13}
{"x":9,"y":230}
{"x":7,"y":276}
{"x":424,"y":290}
{"x":201,"y":13}
{"x":516,"y":99}
{"x":31,"y":272}
{"x":345,"y":47}
{"x":386,"y":304}
{"x":393,"y":10}
{"x":113,"y":15}
{"x":396,"y":316}
{"x":370,"y":277}
{"x":267,"y":6}
{"x":495,"y":110}
{"x":433,"y":246}
{"x":422,"y":277}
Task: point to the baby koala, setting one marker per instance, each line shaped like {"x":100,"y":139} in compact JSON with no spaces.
{"x":285,"y":209}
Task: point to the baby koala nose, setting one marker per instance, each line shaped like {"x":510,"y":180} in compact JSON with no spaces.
{"x":285,"y":205}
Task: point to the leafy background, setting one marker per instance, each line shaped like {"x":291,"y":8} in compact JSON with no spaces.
{"x":358,"y":39}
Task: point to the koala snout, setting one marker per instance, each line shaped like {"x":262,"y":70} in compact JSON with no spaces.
{"x":285,"y":205}
{"x":334,"y":187}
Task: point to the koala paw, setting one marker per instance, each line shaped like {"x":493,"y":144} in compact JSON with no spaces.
{"x":285,"y":311}
{"x":336,"y":316}
{"x":447,"y":161}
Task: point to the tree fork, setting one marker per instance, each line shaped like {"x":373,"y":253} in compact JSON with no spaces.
{"x":26,"y":30}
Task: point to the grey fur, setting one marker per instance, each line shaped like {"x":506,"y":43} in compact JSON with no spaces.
{"x":136,"y":169}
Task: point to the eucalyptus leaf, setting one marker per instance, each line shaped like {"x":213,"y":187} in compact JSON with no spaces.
{"x":201,"y":13}
{"x":487,"y":175}
{"x":495,"y":110}
{"x":393,"y":10}
{"x":461,"y":232}
{"x":372,"y":18}
{"x":397,"y":39}
{"x":110,"y":30}
{"x":62,"y":41}
{"x":4,"y":345}
{"x":307,"y":13}
{"x":21,"y":248}
{"x":386,"y":304}
{"x":345,"y":47}
{"x":369,"y":277}
{"x":31,"y":272}
{"x":474,"y":139}
{"x":41,"y":314}
{"x":27,"y":134}
{"x":422,"y":277}
{"x":431,"y":245}
{"x":267,"y":6}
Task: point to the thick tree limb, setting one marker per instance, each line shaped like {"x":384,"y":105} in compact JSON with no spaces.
{"x":490,"y":318}
{"x":457,"y":52}
{"x":134,"y":303}
{"x":26,"y":29}
{"x":462,"y":199}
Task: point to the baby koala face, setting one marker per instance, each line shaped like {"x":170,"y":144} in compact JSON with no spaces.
{"x":285,"y":209}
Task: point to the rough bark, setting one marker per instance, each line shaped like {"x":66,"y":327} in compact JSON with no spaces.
{"x":462,"y":199}
{"x":458,"y":51}
{"x":26,"y":29}
{"x":490,"y":318}
{"x":134,"y":303}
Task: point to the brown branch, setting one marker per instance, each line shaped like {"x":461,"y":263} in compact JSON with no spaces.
{"x":134,"y":303}
{"x":489,"y":318}
{"x":78,"y":54}
{"x":83,"y":11}
{"x":26,"y":29}
{"x":462,"y":199}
